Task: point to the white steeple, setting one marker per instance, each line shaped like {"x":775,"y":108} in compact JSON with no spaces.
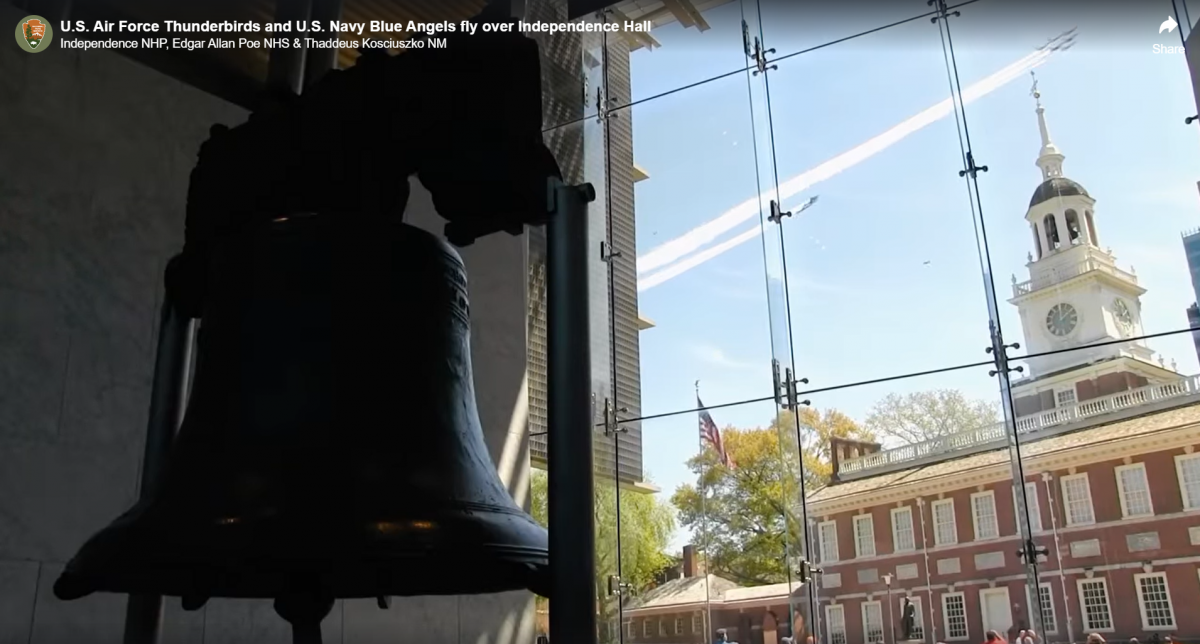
{"x":1049,"y":158}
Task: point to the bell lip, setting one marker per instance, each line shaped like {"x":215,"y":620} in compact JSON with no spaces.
{"x":412,"y":575}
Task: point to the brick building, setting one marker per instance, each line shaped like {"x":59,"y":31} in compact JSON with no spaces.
{"x":676,"y":612}
{"x":1116,"y":504}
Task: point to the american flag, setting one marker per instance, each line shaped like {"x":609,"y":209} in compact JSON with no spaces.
{"x":711,"y":435}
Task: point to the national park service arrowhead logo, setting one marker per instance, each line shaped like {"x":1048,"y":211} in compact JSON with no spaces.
{"x":34,"y":33}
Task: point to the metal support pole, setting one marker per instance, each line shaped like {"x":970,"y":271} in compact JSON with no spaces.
{"x":172,"y":366}
{"x":285,"y":68}
{"x":319,"y":61}
{"x":569,"y":401}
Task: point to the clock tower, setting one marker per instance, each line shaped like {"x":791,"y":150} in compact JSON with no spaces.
{"x":1075,"y":295}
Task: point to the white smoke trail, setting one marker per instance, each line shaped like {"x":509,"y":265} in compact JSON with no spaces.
{"x":694,"y":239}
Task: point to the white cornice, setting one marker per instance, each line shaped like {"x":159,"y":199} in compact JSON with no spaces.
{"x":1157,"y":441}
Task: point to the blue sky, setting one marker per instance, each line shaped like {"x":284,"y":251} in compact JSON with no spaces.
{"x":883,"y":270}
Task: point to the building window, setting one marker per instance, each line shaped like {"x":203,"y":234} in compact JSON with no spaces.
{"x":1188,"y":469}
{"x":1093,"y":603}
{"x":827,"y":533}
{"x":1033,"y":505}
{"x":954,"y":613}
{"x":679,"y":626}
{"x":662,"y":627}
{"x":1077,"y":500}
{"x":835,"y":620}
{"x":918,"y":632}
{"x":1046,"y":599}
{"x":983,"y":513}
{"x":647,"y":628}
{"x":1154,"y":601}
{"x":872,"y":617}
{"x":864,"y":536}
{"x":945,"y":530}
{"x":1134,"y":491}
{"x":697,"y":623}
{"x":903,"y":539}
{"x":1064,"y":397}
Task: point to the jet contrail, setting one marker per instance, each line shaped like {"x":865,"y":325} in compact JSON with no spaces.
{"x":698,"y":237}
{"x":678,"y":268}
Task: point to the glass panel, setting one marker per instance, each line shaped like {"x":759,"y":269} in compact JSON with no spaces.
{"x":722,"y":563}
{"x":913,"y":506}
{"x":569,"y":91}
{"x":699,"y":284}
{"x":886,"y":260}
{"x":794,"y":27}
{"x":686,"y":44}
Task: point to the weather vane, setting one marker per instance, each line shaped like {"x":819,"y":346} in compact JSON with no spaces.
{"x":1037,"y":96}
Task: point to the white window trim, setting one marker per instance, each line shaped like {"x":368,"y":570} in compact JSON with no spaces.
{"x":1053,"y":610}
{"x":912,"y":529}
{"x":834,"y":545}
{"x":647,"y":630}
{"x":1137,"y":588}
{"x":953,"y":522}
{"x":946,"y":616}
{"x":995,"y":515}
{"x":679,"y":626}
{"x":697,"y":623}
{"x":866,"y":518}
{"x":1083,"y":609}
{"x":829,"y":623}
{"x":882,"y":620}
{"x":1121,"y":490}
{"x":1188,"y":503}
{"x":1066,"y":501}
{"x":662,"y":627}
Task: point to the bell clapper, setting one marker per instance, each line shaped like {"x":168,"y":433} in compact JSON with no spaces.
{"x":384,"y":602}
{"x":305,"y":612}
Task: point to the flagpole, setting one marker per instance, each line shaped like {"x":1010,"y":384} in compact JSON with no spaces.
{"x":703,"y":519}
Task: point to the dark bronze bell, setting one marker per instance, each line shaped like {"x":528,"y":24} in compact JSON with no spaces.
{"x":332,"y":441}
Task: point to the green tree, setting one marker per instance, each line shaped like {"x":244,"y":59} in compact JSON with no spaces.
{"x":920,"y":416}
{"x":815,"y":430}
{"x":748,"y":516}
{"x":646,"y":527}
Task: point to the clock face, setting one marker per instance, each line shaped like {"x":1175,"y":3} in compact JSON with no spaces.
{"x":1123,"y":315}
{"x":1062,"y":319}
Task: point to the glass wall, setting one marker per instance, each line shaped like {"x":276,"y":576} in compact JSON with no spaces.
{"x":891,"y":335}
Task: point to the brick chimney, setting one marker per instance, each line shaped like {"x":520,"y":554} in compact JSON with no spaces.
{"x":689,"y":561}
{"x":842,"y":449}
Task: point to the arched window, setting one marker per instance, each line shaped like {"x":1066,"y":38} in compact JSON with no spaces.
{"x":1037,"y":241}
{"x":1087,"y":215}
{"x":1051,"y":227}
{"x":1073,"y":231}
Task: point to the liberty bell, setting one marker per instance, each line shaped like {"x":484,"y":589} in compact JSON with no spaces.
{"x":332,"y":440}
{"x":331,"y":447}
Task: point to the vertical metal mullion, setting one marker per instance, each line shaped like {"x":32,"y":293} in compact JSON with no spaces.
{"x":569,"y":402}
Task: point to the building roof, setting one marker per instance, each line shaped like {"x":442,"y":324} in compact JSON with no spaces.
{"x":1056,"y":187}
{"x":684,"y":591}
{"x":1162,"y":421}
